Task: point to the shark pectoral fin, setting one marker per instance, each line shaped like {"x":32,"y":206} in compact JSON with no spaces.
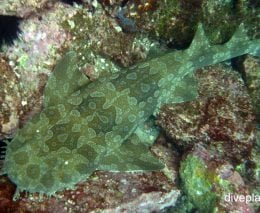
{"x":65,"y":79}
{"x":185,"y":89}
{"x":133,"y":155}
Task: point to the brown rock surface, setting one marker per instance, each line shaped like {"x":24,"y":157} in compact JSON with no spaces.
{"x":222,"y":115}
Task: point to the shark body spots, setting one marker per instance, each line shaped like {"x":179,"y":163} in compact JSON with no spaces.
{"x":86,"y":126}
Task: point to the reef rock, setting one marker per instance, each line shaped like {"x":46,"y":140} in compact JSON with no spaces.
{"x":211,"y":183}
{"x":222,"y":115}
{"x":251,"y":70}
{"x":28,"y":62}
{"x":22,"y":8}
{"x":10,"y":100}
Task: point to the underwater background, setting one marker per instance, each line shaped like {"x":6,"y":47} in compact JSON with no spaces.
{"x":209,"y":145}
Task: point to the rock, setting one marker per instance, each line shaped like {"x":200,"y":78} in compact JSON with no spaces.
{"x":22,"y":8}
{"x":151,"y":202}
{"x":222,"y":115}
{"x":97,"y":33}
{"x":170,"y":21}
{"x":17,"y":106}
{"x":10,"y":100}
{"x":229,"y":15}
{"x":175,"y":22}
{"x":27,"y":64}
{"x":40,"y":43}
{"x":250,"y":68}
{"x":211,"y":182}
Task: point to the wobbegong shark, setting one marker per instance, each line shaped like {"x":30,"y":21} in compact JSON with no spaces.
{"x":86,"y":126}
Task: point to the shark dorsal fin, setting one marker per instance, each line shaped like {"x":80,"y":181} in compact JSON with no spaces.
{"x":65,"y":79}
{"x":241,"y":37}
{"x":200,"y":40}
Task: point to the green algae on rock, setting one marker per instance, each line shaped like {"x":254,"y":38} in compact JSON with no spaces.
{"x":197,"y":183}
{"x":86,"y":126}
{"x":207,"y":179}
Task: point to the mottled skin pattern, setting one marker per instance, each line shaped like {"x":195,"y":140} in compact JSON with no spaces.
{"x":86,"y":126}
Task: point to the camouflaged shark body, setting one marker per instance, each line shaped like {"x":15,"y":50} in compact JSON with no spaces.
{"x":86,"y":126}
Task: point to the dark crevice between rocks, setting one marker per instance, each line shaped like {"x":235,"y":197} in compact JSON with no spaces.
{"x":254,"y":3}
{"x":71,"y":2}
{"x":237,"y":64}
{"x":179,"y":46}
{"x":9,"y":29}
{"x":124,"y":2}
